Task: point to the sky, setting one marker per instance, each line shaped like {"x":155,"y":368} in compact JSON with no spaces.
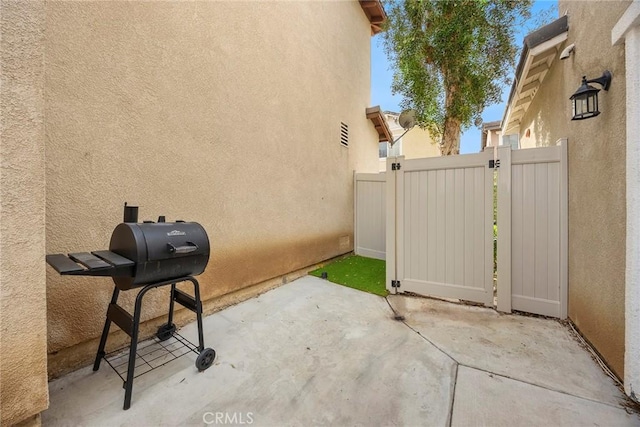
{"x":382,"y":76}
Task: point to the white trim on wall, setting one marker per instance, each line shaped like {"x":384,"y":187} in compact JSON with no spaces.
{"x":627,"y":31}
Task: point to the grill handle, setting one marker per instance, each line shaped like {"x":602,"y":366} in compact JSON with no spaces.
{"x":191,"y":247}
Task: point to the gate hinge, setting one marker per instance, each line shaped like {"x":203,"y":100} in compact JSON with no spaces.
{"x":494,"y":164}
{"x":395,"y":283}
{"x":395,"y":166}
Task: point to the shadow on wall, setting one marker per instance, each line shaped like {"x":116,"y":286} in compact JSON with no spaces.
{"x":541,"y":132}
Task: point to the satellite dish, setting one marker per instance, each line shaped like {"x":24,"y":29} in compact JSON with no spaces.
{"x":407,"y":119}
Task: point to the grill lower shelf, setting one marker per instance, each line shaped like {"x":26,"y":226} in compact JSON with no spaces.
{"x":168,"y":344}
{"x":150,"y":355}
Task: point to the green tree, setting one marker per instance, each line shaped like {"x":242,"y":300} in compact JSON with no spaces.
{"x":451,"y":59}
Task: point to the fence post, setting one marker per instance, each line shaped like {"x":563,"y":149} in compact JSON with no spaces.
{"x":564,"y":230}
{"x":400,"y":221}
{"x":504,"y":230}
{"x":390,"y":228}
{"x":393,"y":226}
{"x":355,"y":212}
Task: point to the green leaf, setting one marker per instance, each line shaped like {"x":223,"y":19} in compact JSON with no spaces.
{"x":451,"y":58}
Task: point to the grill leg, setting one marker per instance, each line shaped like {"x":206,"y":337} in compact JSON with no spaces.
{"x":196,"y":294}
{"x":105,"y":332}
{"x":128,"y":388}
{"x":171,"y":305}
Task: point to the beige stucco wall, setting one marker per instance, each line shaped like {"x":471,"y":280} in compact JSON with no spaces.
{"x":417,"y":143}
{"x":596,"y":173}
{"x":23,"y":329}
{"x":224,"y":113}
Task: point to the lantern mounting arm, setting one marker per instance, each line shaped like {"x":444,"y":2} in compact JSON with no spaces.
{"x":604,"y":80}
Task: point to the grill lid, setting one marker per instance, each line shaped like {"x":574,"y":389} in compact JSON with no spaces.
{"x":159,"y":241}
{"x":171,"y":240}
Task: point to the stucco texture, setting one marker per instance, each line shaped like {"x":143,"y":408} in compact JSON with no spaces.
{"x":596,"y":151}
{"x":23,"y":329}
{"x":418,"y":143}
{"x":224,"y":113}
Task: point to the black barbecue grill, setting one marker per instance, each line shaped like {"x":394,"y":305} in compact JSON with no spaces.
{"x":146,"y":255}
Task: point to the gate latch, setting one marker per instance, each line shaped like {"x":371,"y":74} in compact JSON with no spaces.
{"x":494,"y":164}
{"x":395,"y":166}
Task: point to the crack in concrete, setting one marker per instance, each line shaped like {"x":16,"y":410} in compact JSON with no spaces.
{"x":453,"y":395}
{"x":397,"y":315}
{"x":457,"y":364}
{"x":538,"y":385}
{"x":400,"y":318}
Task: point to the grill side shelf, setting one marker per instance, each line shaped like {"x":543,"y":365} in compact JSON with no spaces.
{"x":90,"y":261}
{"x":63,"y":265}
{"x":114,"y":259}
{"x":99,"y":263}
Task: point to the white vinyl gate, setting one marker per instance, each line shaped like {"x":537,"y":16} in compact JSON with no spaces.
{"x":442,"y":223}
{"x":439,"y":227}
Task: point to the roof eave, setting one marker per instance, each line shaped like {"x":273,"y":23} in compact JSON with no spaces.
{"x":377,"y":117}
{"x":374,"y":11}
{"x":538,"y":54}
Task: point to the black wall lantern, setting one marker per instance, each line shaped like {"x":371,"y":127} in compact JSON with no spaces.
{"x":585,"y":99}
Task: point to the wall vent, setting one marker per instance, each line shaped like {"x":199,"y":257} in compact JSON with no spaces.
{"x":344,"y":134}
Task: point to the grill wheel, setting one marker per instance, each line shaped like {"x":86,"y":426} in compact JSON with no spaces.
{"x":165,"y":331}
{"x":205,"y":359}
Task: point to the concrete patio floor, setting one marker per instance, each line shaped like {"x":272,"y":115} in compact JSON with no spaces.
{"x":311,"y":352}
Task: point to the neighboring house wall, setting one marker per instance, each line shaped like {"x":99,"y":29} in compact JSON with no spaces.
{"x":23,"y":327}
{"x":596,"y":153}
{"x":493,"y":138}
{"x":415,"y":144}
{"x":491,"y":135}
{"x":224,"y":113}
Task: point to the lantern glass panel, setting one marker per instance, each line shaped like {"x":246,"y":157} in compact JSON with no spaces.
{"x":582,"y":105}
{"x":592,"y":104}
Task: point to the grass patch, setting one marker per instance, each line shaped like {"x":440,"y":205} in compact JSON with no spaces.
{"x":364,"y":274}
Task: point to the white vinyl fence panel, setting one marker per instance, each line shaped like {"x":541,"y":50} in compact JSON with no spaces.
{"x":370,"y":215}
{"x":537,"y":241}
